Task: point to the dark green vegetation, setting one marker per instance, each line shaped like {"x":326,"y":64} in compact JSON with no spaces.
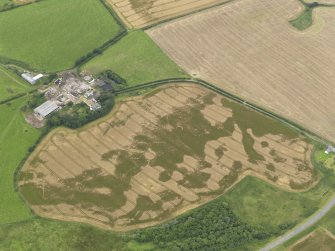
{"x":11,"y":85}
{"x":211,"y":227}
{"x":16,"y":136}
{"x":75,"y":116}
{"x":305,"y":19}
{"x":35,"y":35}
{"x":137,"y":59}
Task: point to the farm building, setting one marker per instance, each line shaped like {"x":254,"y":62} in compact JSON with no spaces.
{"x":330,"y":149}
{"x":30,"y":77}
{"x":46,"y":108}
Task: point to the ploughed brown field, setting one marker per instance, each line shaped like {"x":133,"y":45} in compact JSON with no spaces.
{"x":140,"y":13}
{"x":158,"y":155}
{"x":249,"y":48}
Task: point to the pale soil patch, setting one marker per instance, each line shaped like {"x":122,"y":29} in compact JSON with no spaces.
{"x":128,"y":170}
{"x":140,"y":13}
{"x":249,"y":48}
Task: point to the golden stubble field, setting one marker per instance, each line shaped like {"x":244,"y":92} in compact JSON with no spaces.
{"x":159,"y":155}
{"x":249,"y":48}
{"x":141,"y":13}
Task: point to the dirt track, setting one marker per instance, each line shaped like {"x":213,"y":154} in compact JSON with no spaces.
{"x":248,"y":48}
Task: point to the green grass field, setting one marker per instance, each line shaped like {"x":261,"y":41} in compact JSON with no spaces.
{"x":39,"y":234}
{"x":16,"y":136}
{"x":51,"y":35}
{"x":11,"y":85}
{"x":259,"y":203}
{"x":137,"y":59}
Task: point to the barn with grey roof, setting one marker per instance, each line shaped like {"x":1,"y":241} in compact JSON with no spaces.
{"x":46,"y":108}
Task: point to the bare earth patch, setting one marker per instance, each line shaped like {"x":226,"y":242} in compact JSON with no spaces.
{"x":249,"y":48}
{"x":158,"y":155}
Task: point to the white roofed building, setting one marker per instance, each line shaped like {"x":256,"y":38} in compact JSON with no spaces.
{"x":31,"y":78}
{"x":45,"y":109}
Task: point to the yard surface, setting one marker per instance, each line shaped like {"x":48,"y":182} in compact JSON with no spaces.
{"x":137,"y":59}
{"x":11,"y":85}
{"x":16,"y":136}
{"x":51,"y":35}
{"x":159,"y":155}
{"x":249,"y":48}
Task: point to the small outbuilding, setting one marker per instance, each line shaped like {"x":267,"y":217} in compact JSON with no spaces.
{"x":46,"y":108}
{"x":330,"y":149}
{"x":31,"y":78}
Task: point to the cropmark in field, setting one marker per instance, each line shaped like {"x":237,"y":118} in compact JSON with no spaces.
{"x":250,"y":49}
{"x":159,"y":155}
{"x":140,"y":13}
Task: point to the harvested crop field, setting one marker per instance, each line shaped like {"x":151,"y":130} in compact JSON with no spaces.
{"x":140,"y":13}
{"x":321,"y":240}
{"x":158,"y":155}
{"x":250,"y":49}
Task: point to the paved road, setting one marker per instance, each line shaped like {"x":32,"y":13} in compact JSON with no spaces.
{"x":311,"y":221}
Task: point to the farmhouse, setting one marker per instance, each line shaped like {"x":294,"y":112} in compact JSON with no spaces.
{"x":45,"y":109}
{"x":30,"y":77}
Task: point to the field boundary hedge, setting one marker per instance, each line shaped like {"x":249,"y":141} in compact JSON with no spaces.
{"x":99,"y":50}
{"x":83,"y":59}
{"x":230,"y":96}
{"x":15,"y":5}
{"x":159,"y":83}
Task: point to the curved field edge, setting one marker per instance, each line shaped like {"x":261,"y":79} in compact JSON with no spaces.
{"x":59,"y":50}
{"x":16,"y":237}
{"x":131,"y":170}
{"x":52,"y":235}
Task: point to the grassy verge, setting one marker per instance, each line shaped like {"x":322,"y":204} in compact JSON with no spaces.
{"x":39,"y":234}
{"x":35,"y":34}
{"x":16,"y":136}
{"x":137,"y":59}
